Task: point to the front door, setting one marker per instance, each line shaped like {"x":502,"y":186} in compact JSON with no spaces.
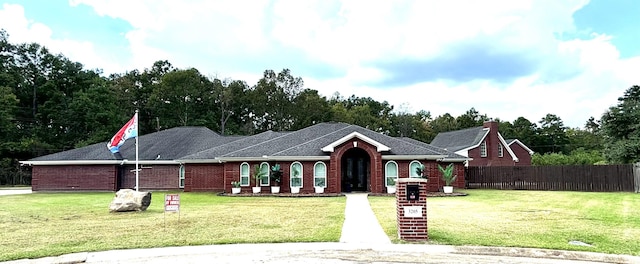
{"x":355,"y":171}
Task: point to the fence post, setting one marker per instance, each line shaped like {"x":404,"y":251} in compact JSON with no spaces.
{"x":636,"y":176}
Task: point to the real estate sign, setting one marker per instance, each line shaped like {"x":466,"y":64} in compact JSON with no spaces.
{"x":172,"y":202}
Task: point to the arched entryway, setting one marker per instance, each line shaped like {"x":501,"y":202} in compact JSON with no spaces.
{"x":356,"y":171}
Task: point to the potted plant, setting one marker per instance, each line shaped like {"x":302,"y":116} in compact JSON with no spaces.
{"x":319,"y":185}
{"x":295,"y":180}
{"x":235,"y":187}
{"x":448,"y":177}
{"x":257,"y":175}
{"x":391,"y":185}
{"x":276,"y":177}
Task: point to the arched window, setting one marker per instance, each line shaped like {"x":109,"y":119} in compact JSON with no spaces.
{"x":264,"y":167}
{"x":413,"y":172}
{"x":390,"y":173}
{"x":320,"y":174}
{"x":295,"y":175}
{"x":244,"y":174}
{"x":181,"y":176}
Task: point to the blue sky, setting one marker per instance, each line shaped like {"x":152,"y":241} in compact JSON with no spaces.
{"x":505,"y":58}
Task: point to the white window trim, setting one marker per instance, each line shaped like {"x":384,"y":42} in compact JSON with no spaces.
{"x":181,"y":178}
{"x":317,"y":177}
{"x":248,"y":176}
{"x":500,"y":150}
{"x":483,"y":149}
{"x":262,"y":183}
{"x":301,"y":174}
{"x":386,"y":173}
{"x":412,"y":173}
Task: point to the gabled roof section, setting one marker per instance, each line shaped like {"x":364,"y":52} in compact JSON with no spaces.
{"x":508,"y":148}
{"x":164,"y":145}
{"x":379,"y":146}
{"x":460,"y":139}
{"x":512,"y":141}
{"x":449,"y":155}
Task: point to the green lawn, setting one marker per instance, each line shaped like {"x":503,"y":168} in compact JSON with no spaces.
{"x":41,"y":224}
{"x":538,"y":219}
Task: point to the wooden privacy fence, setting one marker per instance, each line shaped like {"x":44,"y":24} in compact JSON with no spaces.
{"x":595,"y":178}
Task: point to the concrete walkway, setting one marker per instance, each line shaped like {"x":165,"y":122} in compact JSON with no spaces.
{"x":360,"y":224}
{"x":15,"y":190}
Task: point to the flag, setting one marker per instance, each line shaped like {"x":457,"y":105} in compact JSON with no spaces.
{"x":129,"y":130}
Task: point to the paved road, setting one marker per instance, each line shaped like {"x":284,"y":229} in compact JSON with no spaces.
{"x":342,"y":253}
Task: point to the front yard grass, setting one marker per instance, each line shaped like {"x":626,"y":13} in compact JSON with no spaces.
{"x":538,"y":219}
{"x":50,"y":224}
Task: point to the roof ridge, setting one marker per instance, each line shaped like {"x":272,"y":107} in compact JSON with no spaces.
{"x":240,"y":137}
{"x":325,"y":135}
{"x":254,"y":145}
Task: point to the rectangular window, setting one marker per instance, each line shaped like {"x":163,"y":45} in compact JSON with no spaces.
{"x":500,"y":150}
{"x":483,"y":149}
{"x":244,"y":174}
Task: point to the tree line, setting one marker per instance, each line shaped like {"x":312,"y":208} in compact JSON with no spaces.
{"x":49,"y":103}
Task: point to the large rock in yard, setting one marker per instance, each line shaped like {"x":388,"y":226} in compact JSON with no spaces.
{"x":130,"y":200}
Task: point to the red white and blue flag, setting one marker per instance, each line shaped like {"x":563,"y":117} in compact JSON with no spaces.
{"x":129,"y":130}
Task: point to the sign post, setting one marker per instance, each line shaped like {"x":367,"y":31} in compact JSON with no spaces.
{"x":172,"y":204}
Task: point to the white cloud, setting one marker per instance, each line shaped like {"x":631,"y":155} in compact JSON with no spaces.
{"x":23,"y":30}
{"x":574,"y":79}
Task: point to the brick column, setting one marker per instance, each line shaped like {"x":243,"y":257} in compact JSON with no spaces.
{"x":412,"y":214}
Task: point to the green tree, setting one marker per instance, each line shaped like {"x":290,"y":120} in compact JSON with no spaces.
{"x":229,"y":98}
{"x":443,"y":123}
{"x":311,"y":108}
{"x":552,"y":135}
{"x":525,"y":131}
{"x":272,"y":100}
{"x":621,"y":128}
{"x":471,"y":118}
{"x":179,"y":99}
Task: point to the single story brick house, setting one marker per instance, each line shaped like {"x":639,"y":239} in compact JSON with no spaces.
{"x":485,"y":146}
{"x":337,"y":156}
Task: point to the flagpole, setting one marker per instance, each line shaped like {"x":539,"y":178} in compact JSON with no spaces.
{"x":137,"y":136}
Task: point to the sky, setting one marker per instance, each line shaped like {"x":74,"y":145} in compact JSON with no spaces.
{"x":506,"y":59}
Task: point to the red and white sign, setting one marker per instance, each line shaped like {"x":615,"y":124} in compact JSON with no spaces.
{"x":171,"y":202}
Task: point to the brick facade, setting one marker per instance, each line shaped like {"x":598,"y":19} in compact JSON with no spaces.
{"x":376,"y":177}
{"x":493,"y":158}
{"x":74,"y":178}
{"x":152,"y":177}
{"x":206,"y":177}
{"x":522,"y":154}
{"x":411,"y":228}
{"x":435,"y":182}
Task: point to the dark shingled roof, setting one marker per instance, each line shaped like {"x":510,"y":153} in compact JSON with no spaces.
{"x":200,"y":143}
{"x":310,"y":141}
{"x":168,"y":144}
{"x":459,"y":139}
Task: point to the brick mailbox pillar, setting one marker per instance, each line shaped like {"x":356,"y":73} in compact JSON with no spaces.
{"x":411,"y":206}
